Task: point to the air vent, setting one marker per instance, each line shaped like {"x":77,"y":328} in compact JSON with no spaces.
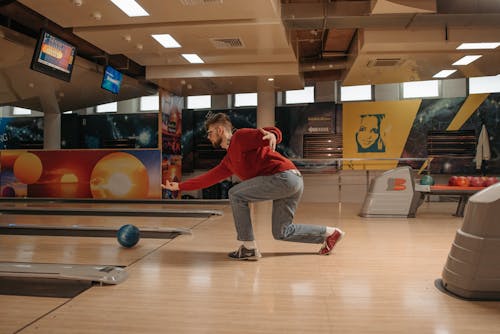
{"x":227,"y":43}
{"x":200,"y":2}
{"x":384,"y":62}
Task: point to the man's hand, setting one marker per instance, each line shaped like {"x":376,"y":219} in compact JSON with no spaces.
{"x":269,"y":136}
{"x":172,"y":186}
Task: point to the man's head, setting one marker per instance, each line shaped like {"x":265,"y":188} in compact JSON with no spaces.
{"x":219,"y":130}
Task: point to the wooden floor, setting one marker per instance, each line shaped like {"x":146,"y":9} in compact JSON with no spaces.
{"x":379,"y":280}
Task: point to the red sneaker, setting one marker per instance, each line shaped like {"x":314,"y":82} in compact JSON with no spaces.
{"x":331,"y":241}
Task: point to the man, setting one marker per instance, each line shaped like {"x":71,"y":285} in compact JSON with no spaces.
{"x":265,"y":175}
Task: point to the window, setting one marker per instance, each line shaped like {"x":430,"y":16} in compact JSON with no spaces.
{"x":21,"y":111}
{"x":484,"y":85}
{"x":199,"y":102}
{"x":245,"y":100}
{"x":305,"y":95}
{"x":149,"y":103}
{"x":356,"y":93}
{"x":417,"y":89}
{"x":107,"y":107}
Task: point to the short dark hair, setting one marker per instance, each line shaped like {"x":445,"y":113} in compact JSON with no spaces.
{"x":219,"y":119}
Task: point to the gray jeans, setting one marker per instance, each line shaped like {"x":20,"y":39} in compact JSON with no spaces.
{"x":285,"y":190}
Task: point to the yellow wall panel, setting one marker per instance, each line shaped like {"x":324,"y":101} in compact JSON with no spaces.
{"x":376,"y":130}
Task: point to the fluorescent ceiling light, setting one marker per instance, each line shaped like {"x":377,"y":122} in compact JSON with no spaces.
{"x":444,"y":73}
{"x":466,"y":60}
{"x":166,"y":41}
{"x":130,"y":7}
{"x":472,"y":46}
{"x":193,"y":58}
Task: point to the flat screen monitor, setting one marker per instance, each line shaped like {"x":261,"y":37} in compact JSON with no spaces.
{"x":111,"y":80}
{"x":53,"y":56}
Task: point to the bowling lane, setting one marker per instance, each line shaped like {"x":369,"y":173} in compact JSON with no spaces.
{"x":115,"y":205}
{"x":130,"y":208}
{"x":100,"y":221}
{"x":83,"y":250}
{"x":19,"y":311}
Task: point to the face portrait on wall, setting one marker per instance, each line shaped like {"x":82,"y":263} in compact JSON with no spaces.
{"x":369,"y":134}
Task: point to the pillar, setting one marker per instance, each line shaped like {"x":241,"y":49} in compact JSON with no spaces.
{"x":51,"y":121}
{"x":130,"y":106}
{"x":266,"y":102}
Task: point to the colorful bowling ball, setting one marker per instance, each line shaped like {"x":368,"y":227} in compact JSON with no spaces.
{"x":427,"y":180}
{"x":462,"y":181}
{"x":476,"y":181}
{"x":489,"y":181}
{"x":453,"y":180}
{"x":128,"y":235}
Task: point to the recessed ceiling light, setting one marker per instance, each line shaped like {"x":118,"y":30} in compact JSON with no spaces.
{"x":193,"y":58}
{"x":270,"y":79}
{"x":466,"y":60}
{"x":97,"y":16}
{"x":472,"y":46}
{"x":166,"y":40}
{"x":444,"y":73}
{"x":130,"y":7}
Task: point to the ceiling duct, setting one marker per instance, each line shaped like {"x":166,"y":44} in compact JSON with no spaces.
{"x":227,"y":43}
{"x":201,"y":2}
{"x":384,"y":62}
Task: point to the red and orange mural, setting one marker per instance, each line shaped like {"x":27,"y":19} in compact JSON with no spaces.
{"x":100,"y":174}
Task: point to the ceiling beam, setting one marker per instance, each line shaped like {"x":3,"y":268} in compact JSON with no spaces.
{"x":222,"y":70}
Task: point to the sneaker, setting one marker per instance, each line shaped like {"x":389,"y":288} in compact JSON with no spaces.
{"x":331,"y":241}
{"x":244,"y":253}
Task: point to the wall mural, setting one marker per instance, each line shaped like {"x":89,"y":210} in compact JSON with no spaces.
{"x":171,"y":131}
{"x":100,"y":174}
{"x":21,"y":132}
{"x":115,"y":130}
{"x":384,"y":130}
{"x":460,"y":115}
{"x":377,"y":132}
{"x":371,"y":134}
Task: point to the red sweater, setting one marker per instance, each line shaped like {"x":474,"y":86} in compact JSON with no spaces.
{"x":247,"y":156}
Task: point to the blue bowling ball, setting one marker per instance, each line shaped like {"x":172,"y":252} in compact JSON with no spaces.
{"x":128,"y":235}
{"x":427,"y":180}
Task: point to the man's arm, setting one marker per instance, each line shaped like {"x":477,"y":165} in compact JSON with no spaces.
{"x":216,"y":174}
{"x":250,"y":139}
